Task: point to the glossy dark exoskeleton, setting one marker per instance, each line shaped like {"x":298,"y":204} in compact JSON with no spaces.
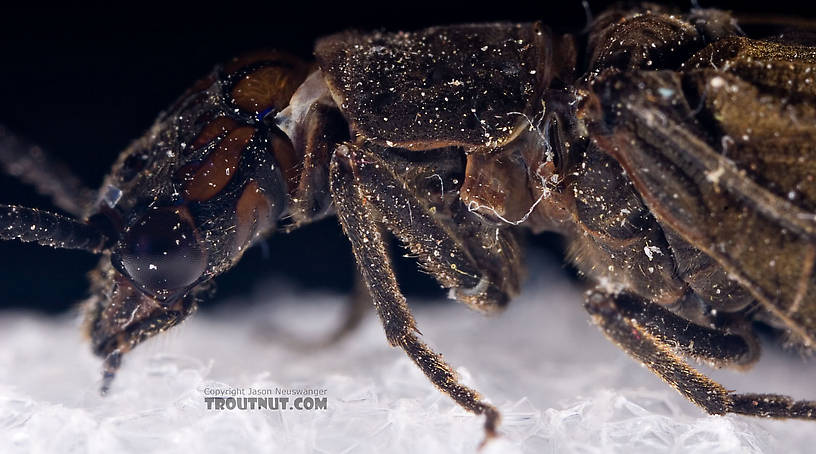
{"x":671,"y":149}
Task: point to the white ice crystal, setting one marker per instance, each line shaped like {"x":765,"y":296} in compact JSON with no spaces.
{"x":560,"y":385}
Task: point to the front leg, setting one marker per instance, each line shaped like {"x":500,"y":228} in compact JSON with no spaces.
{"x":362,"y":227}
{"x":479,"y":262}
{"x":656,"y":338}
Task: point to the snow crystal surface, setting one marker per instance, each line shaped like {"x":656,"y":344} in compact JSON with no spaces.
{"x":560,"y":385}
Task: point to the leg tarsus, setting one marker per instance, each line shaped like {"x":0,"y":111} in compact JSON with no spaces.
{"x":772,"y":406}
{"x":444,"y":377}
{"x":621,"y":318}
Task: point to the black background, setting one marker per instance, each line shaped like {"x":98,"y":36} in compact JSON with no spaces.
{"x":83,"y":82}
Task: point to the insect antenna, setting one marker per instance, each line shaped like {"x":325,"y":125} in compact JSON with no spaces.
{"x":590,"y":19}
{"x":49,"y":229}
{"x":50,"y":177}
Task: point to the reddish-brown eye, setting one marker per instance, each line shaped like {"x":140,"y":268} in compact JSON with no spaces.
{"x":161,"y":252}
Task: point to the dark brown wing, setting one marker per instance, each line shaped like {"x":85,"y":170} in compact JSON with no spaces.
{"x":465,"y":85}
{"x":729,"y":165}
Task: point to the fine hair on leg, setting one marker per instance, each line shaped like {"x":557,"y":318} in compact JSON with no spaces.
{"x":362,"y":227}
{"x":659,"y":349}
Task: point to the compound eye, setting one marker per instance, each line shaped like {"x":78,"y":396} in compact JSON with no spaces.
{"x":161,"y":252}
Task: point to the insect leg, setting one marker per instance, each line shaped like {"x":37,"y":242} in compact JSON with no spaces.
{"x":362,"y":227}
{"x":715,"y":346}
{"x":656,"y":338}
{"x":49,"y":229}
{"x":33,"y":166}
{"x":315,"y":126}
{"x":356,"y":308}
{"x":479,"y":263}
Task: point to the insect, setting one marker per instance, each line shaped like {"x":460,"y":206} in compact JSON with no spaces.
{"x":674,"y":152}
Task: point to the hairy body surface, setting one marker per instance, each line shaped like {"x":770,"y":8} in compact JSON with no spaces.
{"x":673,"y":152}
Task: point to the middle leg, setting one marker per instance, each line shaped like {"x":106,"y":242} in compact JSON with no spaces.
{"x":478,"y":261}
{"x":362,"y":226}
